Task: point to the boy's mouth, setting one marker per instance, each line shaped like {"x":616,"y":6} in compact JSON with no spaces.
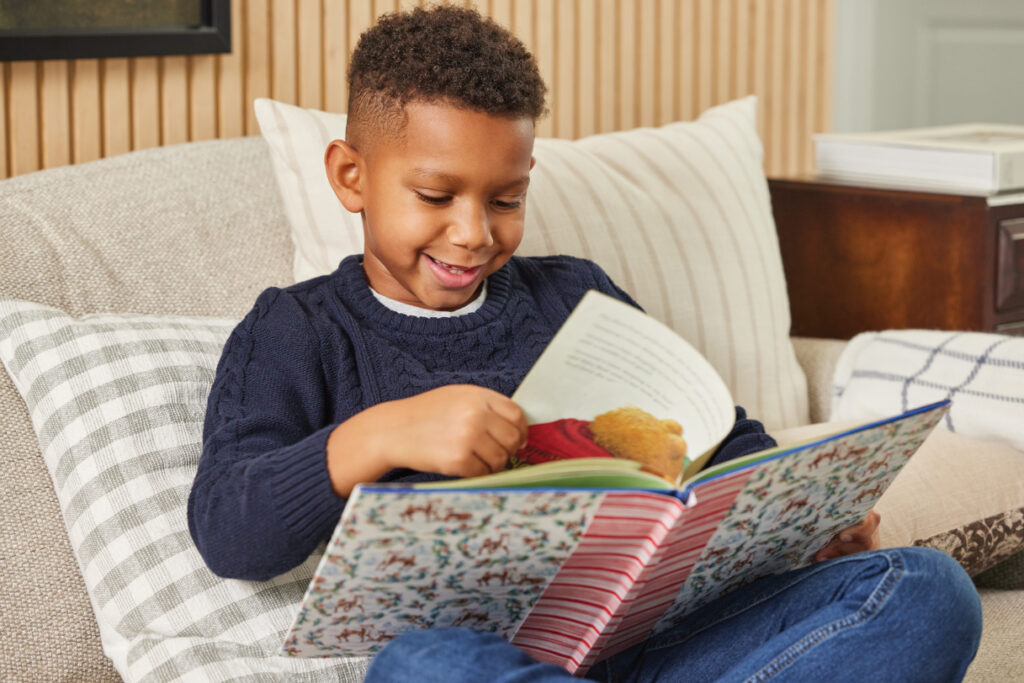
{"x":454,"y":270}
{"x":453,"y":276}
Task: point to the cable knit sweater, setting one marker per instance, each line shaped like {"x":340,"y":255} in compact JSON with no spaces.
{"x":309,"y":356}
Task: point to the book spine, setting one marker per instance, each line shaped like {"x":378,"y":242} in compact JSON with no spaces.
{"x":667,"y":571}
{"x":577,"y":606}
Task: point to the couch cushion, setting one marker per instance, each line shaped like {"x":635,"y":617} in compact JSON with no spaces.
{"x":117,"y":402}
{"x":679,"y":216}
{"x":193,"y":229}
{"x":38,"y":642}
{"x":999,"y":657}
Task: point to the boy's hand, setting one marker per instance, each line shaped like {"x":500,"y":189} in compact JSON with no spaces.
{"x":854,"y":539}
{"x":459,"y":430}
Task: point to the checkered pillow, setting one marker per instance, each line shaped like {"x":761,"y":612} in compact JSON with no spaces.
{"x":883,"y":373}
{"x":117,"y":402}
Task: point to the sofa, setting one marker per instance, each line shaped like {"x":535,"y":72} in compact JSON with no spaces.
{"x":191,"y":234}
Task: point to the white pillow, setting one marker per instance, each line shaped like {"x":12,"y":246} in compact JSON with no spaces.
{"x":679,"y":217}
{"x":117,"y":402}
{"x":884,"y":373}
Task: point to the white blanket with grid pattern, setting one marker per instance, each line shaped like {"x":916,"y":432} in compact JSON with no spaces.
{"x":884,"y":373}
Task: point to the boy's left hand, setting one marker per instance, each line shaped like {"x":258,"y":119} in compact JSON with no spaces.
{"x":854,"y":539}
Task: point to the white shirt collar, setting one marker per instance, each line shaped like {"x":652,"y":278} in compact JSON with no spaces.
{"x":409,"y":309}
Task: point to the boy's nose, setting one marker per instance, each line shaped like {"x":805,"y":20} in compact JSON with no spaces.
{"x":471,"y":230}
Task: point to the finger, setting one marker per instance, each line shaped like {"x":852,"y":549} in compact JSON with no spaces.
{"x":853,"y":536}
{"x":840,"y":549}
{"x":461,"y":464}
{"x":510,"y":411}
{"x":870,"y":522}
{"x":492,"y":454}
{"x":827,"y":551}
{"x":861,"y":531}
{"x":506,"y":434}
{"x":844,"y":549}
{"x":874,"y":519}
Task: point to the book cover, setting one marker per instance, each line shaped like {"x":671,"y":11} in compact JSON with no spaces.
{"x":974,"y":158}
{"x":575,"y":559}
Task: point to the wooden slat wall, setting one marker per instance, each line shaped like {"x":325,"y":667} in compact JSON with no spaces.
{"x":609,"y":65}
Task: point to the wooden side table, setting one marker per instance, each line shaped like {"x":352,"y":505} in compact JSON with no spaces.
{"x":860,"y":259}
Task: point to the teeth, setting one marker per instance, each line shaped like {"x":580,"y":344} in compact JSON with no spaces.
{"x":451,"y":269}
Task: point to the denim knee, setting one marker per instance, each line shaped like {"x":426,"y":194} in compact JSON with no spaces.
{"x":955,"y":622}
{"x":457,"y":655}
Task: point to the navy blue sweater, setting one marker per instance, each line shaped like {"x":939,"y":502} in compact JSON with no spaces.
{"x":310,"y":356}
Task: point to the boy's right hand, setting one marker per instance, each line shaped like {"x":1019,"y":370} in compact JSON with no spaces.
{"x":460,"y":430}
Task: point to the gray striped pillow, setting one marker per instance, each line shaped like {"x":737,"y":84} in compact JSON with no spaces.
{"x":117,"y":402}
{"x":679,"y":216}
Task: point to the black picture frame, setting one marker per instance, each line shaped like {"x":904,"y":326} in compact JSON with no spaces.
{"x":213,"y":35}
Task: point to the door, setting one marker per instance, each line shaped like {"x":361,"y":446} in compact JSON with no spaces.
{"x":910,"y":63}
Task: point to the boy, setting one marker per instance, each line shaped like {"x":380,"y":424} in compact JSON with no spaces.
{"x":398,"y":366}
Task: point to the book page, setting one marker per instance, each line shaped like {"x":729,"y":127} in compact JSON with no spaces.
{"x":609,"y":355}
{"x":575,"y":473}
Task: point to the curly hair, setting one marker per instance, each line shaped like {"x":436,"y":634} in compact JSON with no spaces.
{"x":442,"y":54}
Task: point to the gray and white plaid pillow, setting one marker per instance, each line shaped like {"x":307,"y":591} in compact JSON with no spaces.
{"x":117,"y":402}
{"x":884,"y":373}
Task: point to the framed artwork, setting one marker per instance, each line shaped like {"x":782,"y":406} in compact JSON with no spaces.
{"x":74,"y":29}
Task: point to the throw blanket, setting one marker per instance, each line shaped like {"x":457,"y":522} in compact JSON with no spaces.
{"x":885,"y":373}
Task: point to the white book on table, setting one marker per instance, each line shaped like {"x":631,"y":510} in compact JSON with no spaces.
{"x":971,"y":158}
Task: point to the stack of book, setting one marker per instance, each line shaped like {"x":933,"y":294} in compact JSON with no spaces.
{"x":972,"y":158}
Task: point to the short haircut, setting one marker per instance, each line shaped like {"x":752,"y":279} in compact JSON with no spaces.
{"x":443,"y":54}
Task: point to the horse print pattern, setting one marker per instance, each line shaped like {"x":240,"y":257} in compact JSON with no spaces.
{"x":792,"y":506}
{"x":404,"y":560}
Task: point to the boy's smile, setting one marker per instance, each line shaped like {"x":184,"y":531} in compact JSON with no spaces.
{"x":443,"y":203}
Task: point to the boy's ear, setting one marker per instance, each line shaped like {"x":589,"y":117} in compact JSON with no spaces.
{"x":344,"y":171}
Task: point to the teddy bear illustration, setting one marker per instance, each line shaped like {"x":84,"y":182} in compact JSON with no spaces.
{"x":627,"y":432}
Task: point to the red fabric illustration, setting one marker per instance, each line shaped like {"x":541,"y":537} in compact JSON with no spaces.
{"x":559,"y":440}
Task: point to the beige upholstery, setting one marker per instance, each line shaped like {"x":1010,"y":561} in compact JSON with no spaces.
{"x":113,"y":235}
{"x":818,"y":358}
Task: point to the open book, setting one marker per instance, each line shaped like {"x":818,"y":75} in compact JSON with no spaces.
{"x":576,"y":559}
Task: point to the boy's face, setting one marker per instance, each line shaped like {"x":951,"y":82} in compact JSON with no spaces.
{"x":443,"y":203}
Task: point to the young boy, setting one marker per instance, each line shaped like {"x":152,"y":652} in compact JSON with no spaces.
{"x":398,"y":366}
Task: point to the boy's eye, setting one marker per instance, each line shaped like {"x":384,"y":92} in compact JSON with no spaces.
{"x":433,"y":199}
{"x":507,"y":204}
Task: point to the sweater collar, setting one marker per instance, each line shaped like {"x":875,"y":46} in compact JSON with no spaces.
{"x":354,"y":291}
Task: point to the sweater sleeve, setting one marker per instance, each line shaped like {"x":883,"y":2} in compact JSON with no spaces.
{"x":747,"y":436}
{"x":262,"y":499}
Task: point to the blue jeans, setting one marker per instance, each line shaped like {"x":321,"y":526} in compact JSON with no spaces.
{"x":905,"y":614}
